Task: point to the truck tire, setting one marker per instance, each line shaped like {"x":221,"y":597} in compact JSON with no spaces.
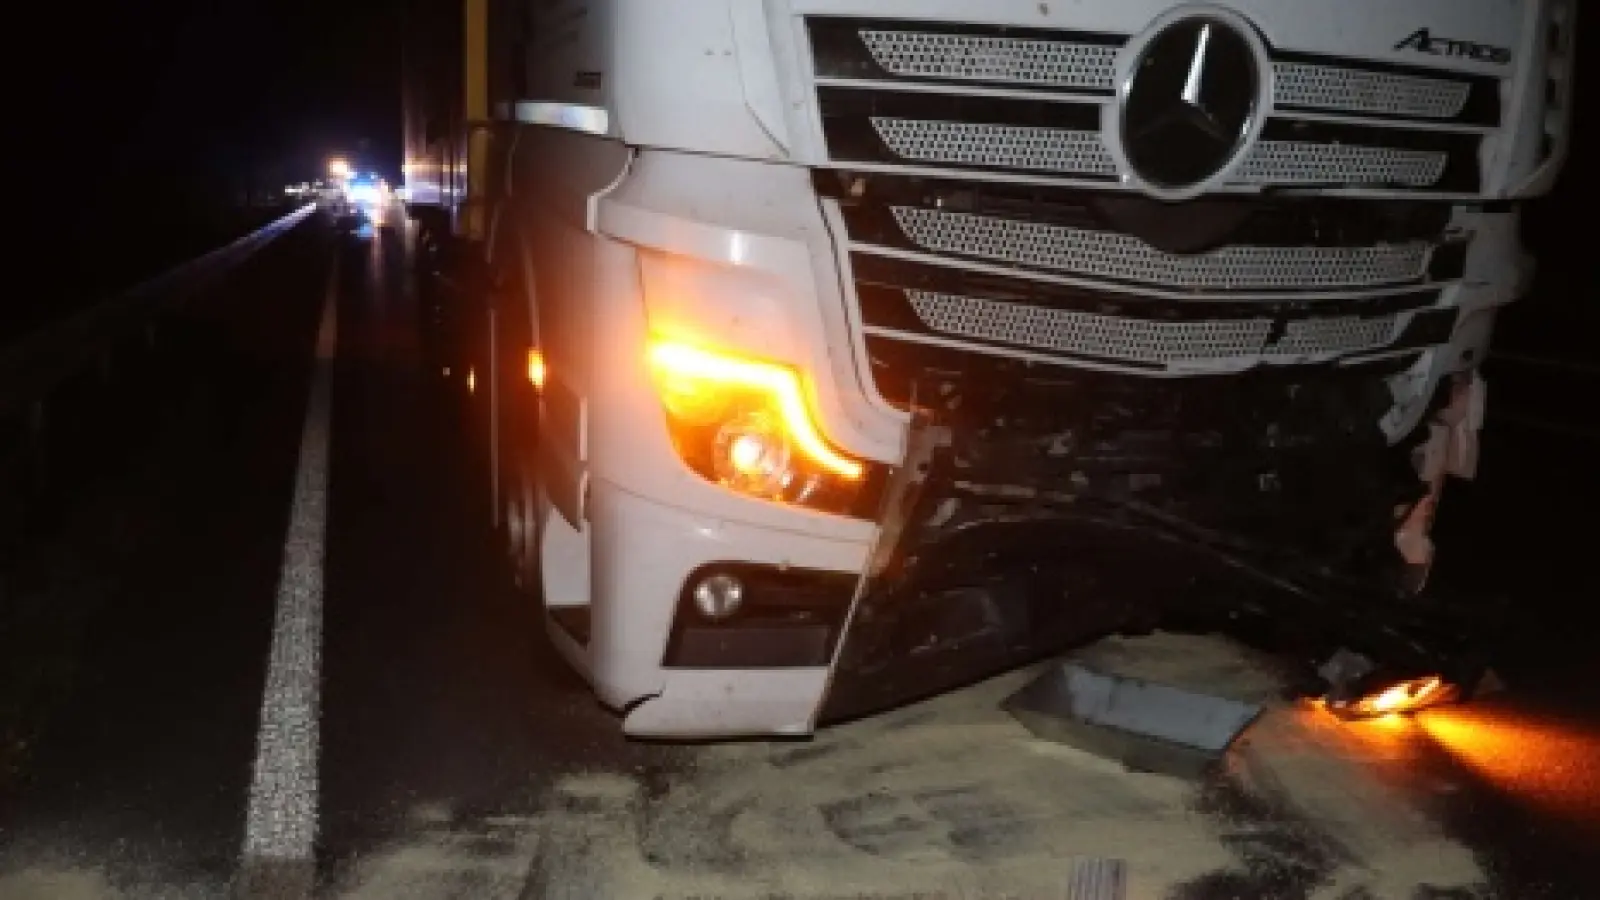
{"x":437,"y":311}
{"x":517,"y":412}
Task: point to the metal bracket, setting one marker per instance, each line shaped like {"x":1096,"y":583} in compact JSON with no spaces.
{"x":905,"y":487}
{"x":1148,"y":726}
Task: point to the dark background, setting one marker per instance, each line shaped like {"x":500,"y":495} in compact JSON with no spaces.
{"x":200,"y":93}
{"x":147,"y":133}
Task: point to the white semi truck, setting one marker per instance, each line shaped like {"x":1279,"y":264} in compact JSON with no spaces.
{"x":828,"y":353}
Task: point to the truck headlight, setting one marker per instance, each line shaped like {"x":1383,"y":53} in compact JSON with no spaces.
{"x":752,"y":454}
{"x":744,"y":423}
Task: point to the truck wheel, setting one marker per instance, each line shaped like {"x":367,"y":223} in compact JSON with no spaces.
{"x":446,"y":308}
{"x":466,"y":339}
{"x":430,"y":301}
{"x":516,"y":436}
{"x":424,"y":248}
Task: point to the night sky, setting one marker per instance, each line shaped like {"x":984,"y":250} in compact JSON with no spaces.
{"x":154,"y":125}
{"x":247,"y":88}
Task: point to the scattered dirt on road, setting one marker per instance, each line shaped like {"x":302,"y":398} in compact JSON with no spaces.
{"x":953,"y":798}
{"x":89,"y":881}
{"x":46,"y":884}
{"x":481,"y":859}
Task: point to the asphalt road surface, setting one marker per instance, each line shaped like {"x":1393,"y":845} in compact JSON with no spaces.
{"x":275,"y":649}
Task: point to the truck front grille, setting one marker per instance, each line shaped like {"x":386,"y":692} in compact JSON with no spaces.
{"x":1083,"y":334}
{"x":1057,"y":150}
{"x":1288,"y":163}
{"x":920,"y":303}
{"x":1121,"y":257}
{"x":991,"y":58}
{"x":983,"y":210}
{"x":1068,"y":151}
{"x":995,"y":136}
{"x":1352,"y":90}
{"x":1027,"y":62}
{"x":1039,"y":59}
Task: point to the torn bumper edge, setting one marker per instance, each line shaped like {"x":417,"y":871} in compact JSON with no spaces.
{"x":701,"y":703}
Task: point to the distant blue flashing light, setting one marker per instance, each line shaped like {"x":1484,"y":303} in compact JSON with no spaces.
{"x":364,"y":192}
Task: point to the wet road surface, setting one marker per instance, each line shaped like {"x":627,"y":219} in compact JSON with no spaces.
{"x":457,"y":757}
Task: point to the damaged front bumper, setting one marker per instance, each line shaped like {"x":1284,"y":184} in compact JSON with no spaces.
{"x":1266,"y":505}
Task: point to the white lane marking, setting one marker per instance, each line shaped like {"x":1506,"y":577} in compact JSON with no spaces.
{"x":281,"y":822}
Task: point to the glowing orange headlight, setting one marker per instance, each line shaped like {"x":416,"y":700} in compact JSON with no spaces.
{"x":695,"y":383}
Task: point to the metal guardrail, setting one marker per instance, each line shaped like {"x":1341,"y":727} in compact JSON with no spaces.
{"x":66,"y":387}
{"x":34,"y":364}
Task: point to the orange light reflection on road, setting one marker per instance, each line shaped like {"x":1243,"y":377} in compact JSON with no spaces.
{"x":1386,"y":735}
{"x":1397,"y":699}
{"x":1541,"y":760}
{"x":1408,"y":696}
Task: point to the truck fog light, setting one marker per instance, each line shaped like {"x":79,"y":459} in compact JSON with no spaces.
{"x":752,"y":455}
{"x":718,"y":596}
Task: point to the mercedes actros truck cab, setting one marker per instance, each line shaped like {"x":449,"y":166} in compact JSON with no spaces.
{"x":829,"y":353}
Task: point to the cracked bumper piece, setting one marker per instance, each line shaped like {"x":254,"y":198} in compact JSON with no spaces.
{"x":706,"y":704}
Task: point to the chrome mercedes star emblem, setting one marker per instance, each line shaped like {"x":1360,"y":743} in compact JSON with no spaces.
{"x":1189,"y":103}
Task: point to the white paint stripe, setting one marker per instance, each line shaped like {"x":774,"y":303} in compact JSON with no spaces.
{"x":281,"y":822}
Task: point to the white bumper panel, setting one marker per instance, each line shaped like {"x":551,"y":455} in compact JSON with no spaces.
{"x":643,"y":552}
{"x":745,"y":261}
{"x":725,"y":703}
